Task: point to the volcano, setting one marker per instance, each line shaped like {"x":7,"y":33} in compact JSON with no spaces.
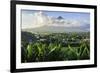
{"x":44,"y":23}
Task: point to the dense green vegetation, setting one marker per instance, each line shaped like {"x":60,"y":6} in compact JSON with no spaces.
{"x":40,"y":47}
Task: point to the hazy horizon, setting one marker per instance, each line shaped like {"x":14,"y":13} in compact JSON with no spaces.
{"x":48,"y":20}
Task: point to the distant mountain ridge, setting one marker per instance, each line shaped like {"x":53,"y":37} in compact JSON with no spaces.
{"x":55,"y":29}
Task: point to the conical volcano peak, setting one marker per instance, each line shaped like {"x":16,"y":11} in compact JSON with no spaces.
{"x":45,"y":21}
{"x":60,"y":17}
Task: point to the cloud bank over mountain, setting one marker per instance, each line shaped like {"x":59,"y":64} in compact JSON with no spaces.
{"x":40,"y":20}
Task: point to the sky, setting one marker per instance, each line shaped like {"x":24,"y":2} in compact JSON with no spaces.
{"x":28,"y":17}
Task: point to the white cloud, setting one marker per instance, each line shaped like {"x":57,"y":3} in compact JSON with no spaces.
{"x":40,"y":19}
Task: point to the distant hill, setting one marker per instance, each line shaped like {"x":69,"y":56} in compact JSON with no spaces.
{"x":55,"y":29}
{"x":60,"y":17}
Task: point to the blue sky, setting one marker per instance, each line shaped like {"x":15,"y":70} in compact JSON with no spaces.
{"x":76,"y":19}
{"x":67,"y":15}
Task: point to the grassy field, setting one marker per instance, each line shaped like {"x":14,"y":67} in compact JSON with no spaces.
{"x":43,"y":47}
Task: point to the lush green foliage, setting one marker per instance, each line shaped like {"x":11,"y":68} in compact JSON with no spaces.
{"x":54,"y":47}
